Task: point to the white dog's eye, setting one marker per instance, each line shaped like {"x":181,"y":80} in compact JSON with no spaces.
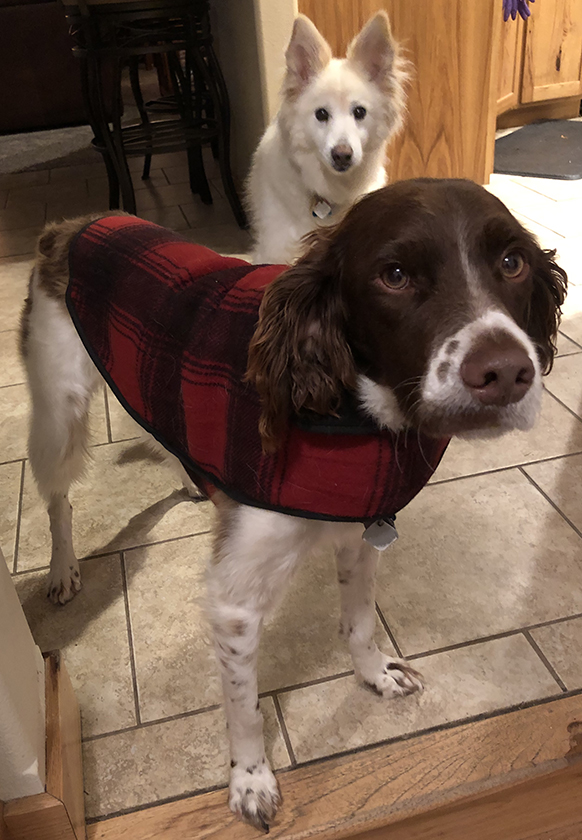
{"x":359,"y":112}
{"x":322,"y":115}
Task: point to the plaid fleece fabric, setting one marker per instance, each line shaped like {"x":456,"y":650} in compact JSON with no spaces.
{"x":168,"y":325}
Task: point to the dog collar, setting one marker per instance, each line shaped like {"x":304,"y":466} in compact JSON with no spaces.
{"x":320,"y":207}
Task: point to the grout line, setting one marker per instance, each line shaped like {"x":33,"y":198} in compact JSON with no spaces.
{"x":130,"y":639}
{"x":547,"y":498}
{"x":307,"y":684}
{"x":389,"y":632}
{"x":107,"y":417}
{"x":577,"y":343}
{"x":12,"y":384}
{"x":361,"y":749}
{"x":284,"y":731}
{"x":146,"y":724}
{"x":113,"y":552}
{"x":491,"y":638}
{"x":558,"y":400}
{"x":545,"y":660}
{"x":18,"y":519}
{"x":184,"y":215}
{"x":523,"y":464}
{"x":13,"y":461}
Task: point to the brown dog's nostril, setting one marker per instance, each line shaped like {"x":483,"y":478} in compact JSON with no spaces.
{"x":341,"y":156}
{"x":498,"y":371}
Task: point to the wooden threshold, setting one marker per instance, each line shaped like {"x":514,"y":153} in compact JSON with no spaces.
{"x":58,"y":813}
{"x":517,"y":776}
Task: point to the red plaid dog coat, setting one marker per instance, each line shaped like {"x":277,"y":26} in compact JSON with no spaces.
{"x":168,"y":325}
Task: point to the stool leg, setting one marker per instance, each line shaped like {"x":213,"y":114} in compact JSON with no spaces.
{"x":113,"y":182}
{"x":210,"y":69}
{"x":197,"y":175}
{"x":147,"y":162}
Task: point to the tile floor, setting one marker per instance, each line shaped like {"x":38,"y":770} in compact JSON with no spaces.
{"x":484,"y":588}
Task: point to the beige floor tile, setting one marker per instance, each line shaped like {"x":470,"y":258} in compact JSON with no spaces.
{"x":201,"y":215}
{"x":19,"y":218}
{"x":564,"y":217}
{"x":17,"y":180}
{"x":562,"y":644}
{"x":91,"y":632}
{"x":571,"y":324}
{"x":165,"y":196}
{"x":14,"y":412}
{"x":226,"y":239}
{"x":175,"y":663}
{"x":565,"y":382}
{"x":10,"y":475}
{"x":170,"y":217}
{"x":99,"y":185}
{"x":555,"y":433}
{"x":174,"y":657}
{"x":566,"y":347}
{"x":122,"y":426}
{"x":14,"y":243}
{"x":522,"y":200}
{"x":561,"y":479}
{"x":478,"y":556}
{"x":126,"y":500}
{"x":179,"y":174}
{"x":69,"y":208}
{"x":67,"y":190}
{"x":79,"y":171}
{"x":340,"y":715}
{"x":166,"y":759}
{"x":11,"y":370}
{"x":14,"y":274}
{"x":551,"y":187}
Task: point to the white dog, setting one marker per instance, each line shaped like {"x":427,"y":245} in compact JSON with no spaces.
{"x":327,"y":145}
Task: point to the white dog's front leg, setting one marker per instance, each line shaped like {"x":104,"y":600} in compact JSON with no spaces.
{"x":356,"y":566}
{"x":64,"y":577}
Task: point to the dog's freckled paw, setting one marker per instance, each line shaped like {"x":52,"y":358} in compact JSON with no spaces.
{"x":254,"y":796}
{"x":396,"y":678}
{"x":63,"y":586}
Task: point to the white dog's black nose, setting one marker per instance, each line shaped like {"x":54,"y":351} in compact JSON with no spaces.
{"x":498,"y":370}
{"x":341,"y":156}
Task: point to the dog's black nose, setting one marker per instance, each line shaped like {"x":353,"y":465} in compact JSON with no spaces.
{"x":341,"y":156}
{"x":498,"y":370}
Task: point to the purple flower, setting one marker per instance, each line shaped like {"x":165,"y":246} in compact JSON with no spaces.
{"x":515,"y":7}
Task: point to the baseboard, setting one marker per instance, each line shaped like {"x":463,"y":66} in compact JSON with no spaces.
{"x":58,"y":813}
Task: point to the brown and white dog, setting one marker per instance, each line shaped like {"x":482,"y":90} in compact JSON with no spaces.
{"x":429,"y":302}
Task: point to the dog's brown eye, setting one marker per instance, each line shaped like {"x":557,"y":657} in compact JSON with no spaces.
{"x":359,"y":112}
{"x":322,"y":115}
{"x":395,"y":277}
{"x":512,"y":265}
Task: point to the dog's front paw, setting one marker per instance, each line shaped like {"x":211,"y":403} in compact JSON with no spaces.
{"x":254,"y":794}
{"x":64,"y":582}
{"x":391,"y":677}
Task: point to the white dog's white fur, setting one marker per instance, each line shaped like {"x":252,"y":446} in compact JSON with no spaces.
{"x":293,"y":167}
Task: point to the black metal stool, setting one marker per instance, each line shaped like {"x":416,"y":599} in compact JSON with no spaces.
{"x":108,"y":36}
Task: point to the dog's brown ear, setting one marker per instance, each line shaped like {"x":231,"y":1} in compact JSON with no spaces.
{"x":550,"y":283}
{"x":299,"y":357}
{"x":374,"y":49}
{"x":307,"y":54}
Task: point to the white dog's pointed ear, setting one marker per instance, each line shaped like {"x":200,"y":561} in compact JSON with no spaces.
{"x":374,"y":48}
{"x":307,"y":54}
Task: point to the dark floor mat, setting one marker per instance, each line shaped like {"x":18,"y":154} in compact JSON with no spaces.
{"x":549,"y":149}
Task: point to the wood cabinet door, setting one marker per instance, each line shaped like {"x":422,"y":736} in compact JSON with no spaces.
{"x":553,"y":51}
{"x":511,"y":64}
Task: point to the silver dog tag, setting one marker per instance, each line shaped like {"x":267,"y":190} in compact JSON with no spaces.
{"x":321,"y":210}
{"x":380,"y":534}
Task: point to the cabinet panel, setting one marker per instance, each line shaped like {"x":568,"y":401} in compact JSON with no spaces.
{"x":450,"y":128}
{"x":512,"y":37}
{"x":553,"y":51}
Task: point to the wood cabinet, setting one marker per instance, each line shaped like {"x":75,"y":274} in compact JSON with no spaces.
{"x":541,"y":59}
